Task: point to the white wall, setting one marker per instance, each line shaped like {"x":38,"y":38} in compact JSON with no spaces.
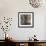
{"x":10,"y":8}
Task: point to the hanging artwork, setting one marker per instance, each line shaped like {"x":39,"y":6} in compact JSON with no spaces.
{"x":25,"y":19}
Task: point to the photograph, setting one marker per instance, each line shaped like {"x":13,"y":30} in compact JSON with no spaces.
{"x":25,"y":19}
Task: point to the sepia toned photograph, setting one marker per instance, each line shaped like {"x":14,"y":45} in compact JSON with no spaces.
{"x":25,"y":19}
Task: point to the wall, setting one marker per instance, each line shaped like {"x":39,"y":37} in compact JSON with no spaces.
{"x":10,"y":8}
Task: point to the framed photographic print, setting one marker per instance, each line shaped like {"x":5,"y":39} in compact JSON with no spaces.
{"x":26,"y":19}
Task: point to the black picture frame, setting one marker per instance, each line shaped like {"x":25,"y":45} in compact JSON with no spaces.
{"x":25,"y":16}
